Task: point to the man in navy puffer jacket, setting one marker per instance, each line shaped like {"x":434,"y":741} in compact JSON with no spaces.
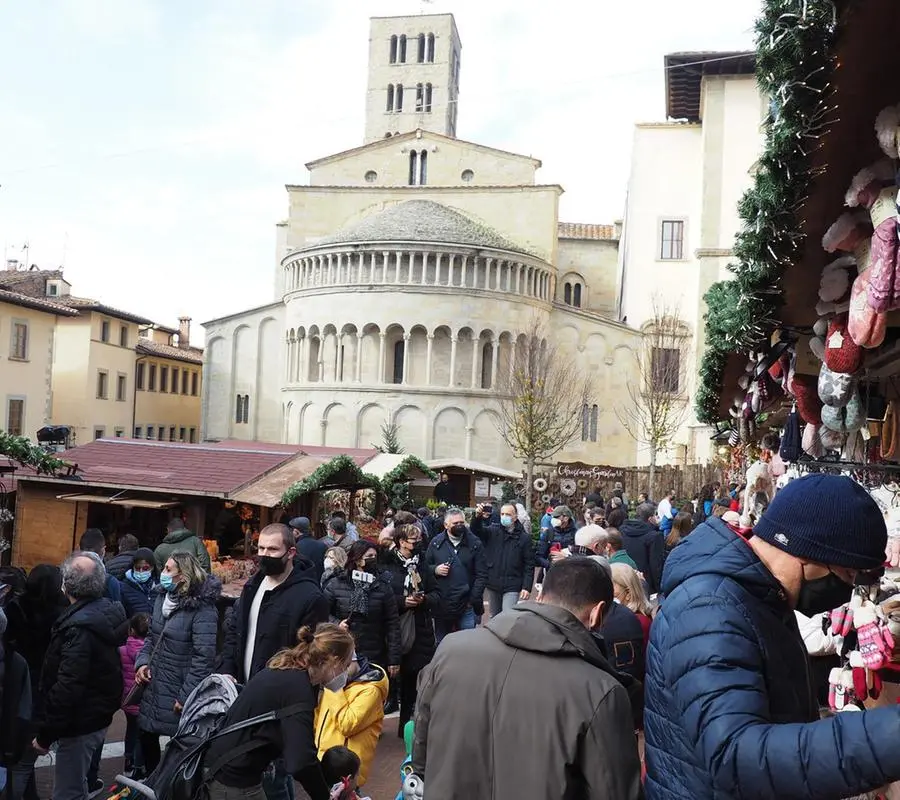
{"x":729,"y":711}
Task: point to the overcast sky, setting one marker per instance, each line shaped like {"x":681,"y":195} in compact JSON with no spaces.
{"x":146,"y":143}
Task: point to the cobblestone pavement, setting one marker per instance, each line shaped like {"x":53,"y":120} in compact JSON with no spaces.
{"x":383,"y":784}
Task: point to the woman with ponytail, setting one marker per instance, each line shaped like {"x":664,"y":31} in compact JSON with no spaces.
{"x":290,"y":683}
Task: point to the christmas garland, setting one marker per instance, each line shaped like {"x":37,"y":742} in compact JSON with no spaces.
{"x":321,"y":475}
{"x":400,"y":473}
{"x":21,"y":450}
{"x":794,"y":64}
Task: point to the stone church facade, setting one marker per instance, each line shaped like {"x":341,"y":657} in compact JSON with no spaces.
{"x":408,"y":271}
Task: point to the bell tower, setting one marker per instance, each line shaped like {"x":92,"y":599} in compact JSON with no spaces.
{"x":413,"y":75}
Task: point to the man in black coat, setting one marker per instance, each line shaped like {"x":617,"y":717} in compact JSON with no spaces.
{"x":510,"y":557}
{"x":456,"y":573}
{"x":275,"y":603}
{"x":307,"y":544}
{"x":81,"y":682}
{"x":646,"y":545}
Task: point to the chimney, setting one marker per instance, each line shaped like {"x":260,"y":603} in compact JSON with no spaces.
{"x":184,"y":332}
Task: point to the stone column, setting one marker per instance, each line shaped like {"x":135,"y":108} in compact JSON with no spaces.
{"x":451,"y":258}
{"x":359,"y":347}
{"x":495,"y":355}
{"x":406,"y":338}
{"x":328,"y":273}
{"x":302,"y":366}
{"x":452,"y":359}
{"x":469,"y":434}
{"x":321,"y":362}
{"x":438,"y":262}
{"x":412,"y":257}
{"x":381,"y":358}
{"x":476,"y":342}
{"x":518,"y":278}
{"x":398,"y":257}
{"x":424,"y":279}
{"x":338,"y":361}
{"x":324,"y":424}
{"x":490,"y":274}
{"x":384,"y":266}
{"x":288,"y":346}
{"x":512,"y":360}
{"x":430,"y":340}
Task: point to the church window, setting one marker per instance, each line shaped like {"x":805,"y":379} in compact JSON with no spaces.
{"x":585,"y":422}
{"x":430,"y":56}
{"x":423,"y":168}
{"x":420,"y":54}
{"x":595,"y":413}
{"x":420,"y":96}
{"x":467,"y":175}
{"x":413,"y":166}
{"x":401,"y":54}
{"x":393,"y":49}
{"x":671,"y":240}
{"x":567,"y":294}
{"x":398,"y":361}
{"x":576,"y":295}
{"x":340,"y":369}
{"x":487,"y":358}
{"x":398,"y":97}
{"x":390,"y":97}
{"x":428,"y":97}
{"x":371,"y":175}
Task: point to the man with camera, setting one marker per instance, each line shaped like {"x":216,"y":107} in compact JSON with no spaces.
{"x":509,"y":555}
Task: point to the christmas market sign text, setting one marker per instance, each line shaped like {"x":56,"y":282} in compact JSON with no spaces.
{"x":578,"y":469}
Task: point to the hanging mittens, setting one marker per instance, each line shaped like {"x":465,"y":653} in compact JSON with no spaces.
{"x":874,"y":640}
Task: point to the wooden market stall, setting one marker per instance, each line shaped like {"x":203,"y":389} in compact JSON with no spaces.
{"x":471,"y":481}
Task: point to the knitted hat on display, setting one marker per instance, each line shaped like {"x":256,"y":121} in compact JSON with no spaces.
{"x":828,"y":519}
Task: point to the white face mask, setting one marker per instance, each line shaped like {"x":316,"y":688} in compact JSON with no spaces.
{"x":556,"y":522}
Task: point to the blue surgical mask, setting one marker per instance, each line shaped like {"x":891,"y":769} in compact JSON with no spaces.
{"x":142,"y":577}
{"x":166,"y":581}
{"x":506,"y":520}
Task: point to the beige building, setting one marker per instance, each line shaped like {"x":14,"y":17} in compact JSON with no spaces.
{"x":167,"y":382}
{"x":407,"y":271}
{"x":687,"y":176}
{"x":83,"y":361}
{"x":27,"y":336}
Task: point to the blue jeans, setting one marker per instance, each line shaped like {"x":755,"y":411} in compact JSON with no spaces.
{"x":73,"y":760}
{"x":276,"y":782}
{"x":465,"y":622}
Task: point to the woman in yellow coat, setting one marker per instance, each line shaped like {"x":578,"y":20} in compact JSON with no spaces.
{"x":353,"y":715}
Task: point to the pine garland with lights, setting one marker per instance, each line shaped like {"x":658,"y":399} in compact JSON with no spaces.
{"x":26,"y":453}
{"x":794,"y":65}
{"x":320,"y":477}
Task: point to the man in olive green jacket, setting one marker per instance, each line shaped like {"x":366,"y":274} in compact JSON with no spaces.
{"x":180,"y":540}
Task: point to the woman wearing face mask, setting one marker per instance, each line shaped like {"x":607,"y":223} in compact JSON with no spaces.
{"x":363,"y":602}
{"x":138,"y":586}
{"x":408,"y":582}
{"x":179,"y":651}
{"x":289,"y":683}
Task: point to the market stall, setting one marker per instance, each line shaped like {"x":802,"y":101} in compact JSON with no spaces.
{"x":473,"y":482}
{"x":802,"y":367}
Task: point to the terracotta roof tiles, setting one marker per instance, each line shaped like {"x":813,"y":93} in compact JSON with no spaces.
{"x":38,"y":303}
{"x":586,"y":230}
{"x":193,"y":355}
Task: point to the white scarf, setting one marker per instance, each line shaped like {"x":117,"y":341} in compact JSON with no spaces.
{"x":169,"y":605}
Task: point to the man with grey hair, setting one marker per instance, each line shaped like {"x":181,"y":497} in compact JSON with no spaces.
{"x":590,"y":541}
{"x":81,"y":681}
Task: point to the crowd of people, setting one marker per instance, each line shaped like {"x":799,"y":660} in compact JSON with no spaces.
{"x":673,"y":620}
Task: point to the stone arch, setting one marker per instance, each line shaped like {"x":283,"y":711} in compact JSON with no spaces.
{"x":368,"y":424}
{"x":418,"y":355}
{"x":394,"y":348}
{"x":440,"y":356}
{"x":311,"y":428}
{"x":347,"y":347}
{"x":217,"y":379}
{"x":371,"y":350}
{"x":339,"y":428}
{"x":411,"y":423}
{"x":449,"y":433}
{"x":465,"y":340}
{"x":298,"y":428}
{"x":313,"y":355}
{"x":568,"y":339}
{"x":329,"y":353}
{"x":487,"y":445}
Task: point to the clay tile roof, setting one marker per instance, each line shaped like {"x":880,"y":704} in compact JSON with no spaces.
{"x":586,"y":230}
{"x":180,"y":468}
{"x":95,"y":305}
{"x":193,"y":355}
{"x":421,"y":221}
{"x":38,"y":303}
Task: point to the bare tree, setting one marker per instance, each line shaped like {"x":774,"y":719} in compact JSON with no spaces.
{"x":657,"y":391}
{"x":542,"y":395}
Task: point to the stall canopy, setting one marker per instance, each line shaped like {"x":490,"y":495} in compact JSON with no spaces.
{"x":464,"y":465}
{"x":341,"y":472}
{"x":394,"y":467}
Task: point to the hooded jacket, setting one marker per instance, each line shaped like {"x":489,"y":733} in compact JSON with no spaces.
{"x":181,"y":541}
{"x":354,"y":716}
{"x":295,"y":602}
{"x":647,"y":548}
{"x":308,"y":546}
{"x":729,"y":711}
{"x":81,"y":683}
{"x":119,"y":564}
{"x":509,"y":555}
{"x":574,"y":742}
{"x":185,"y":655}
{"x":137,"y":597}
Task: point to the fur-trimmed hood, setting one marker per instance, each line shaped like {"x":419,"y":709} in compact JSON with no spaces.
{"x":205,"y":593}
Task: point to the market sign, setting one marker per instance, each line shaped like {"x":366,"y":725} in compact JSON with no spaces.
{"x":594,"y":472}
